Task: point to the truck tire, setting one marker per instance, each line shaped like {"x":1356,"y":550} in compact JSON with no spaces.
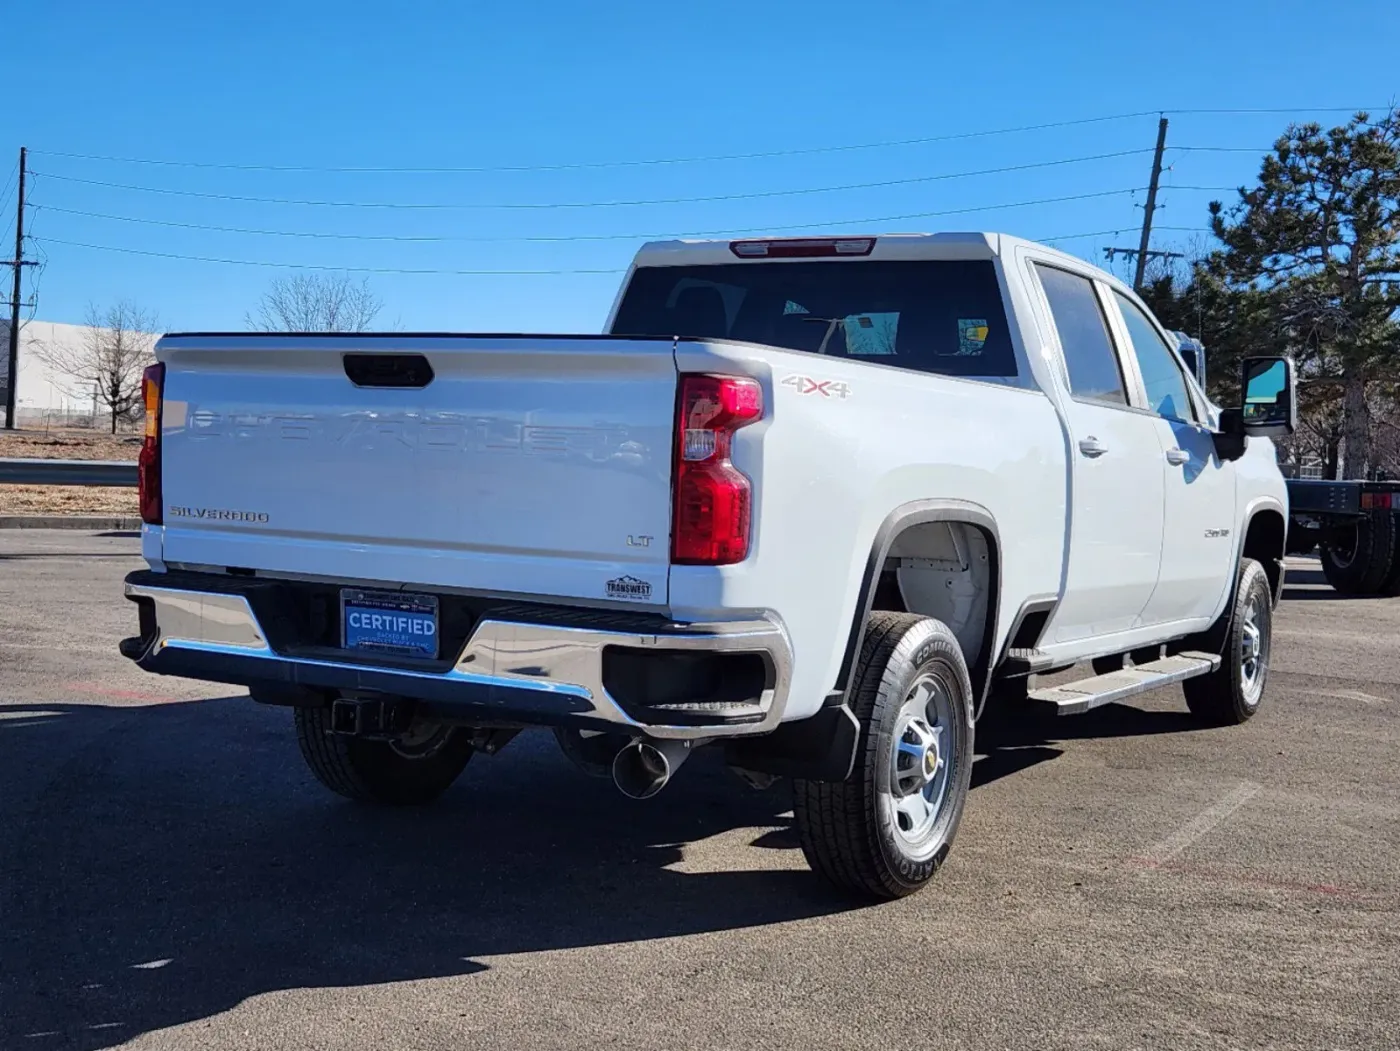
{"x":884,"y":831}
{"x":1390,"y":583}
{"x":1358,"y":560}
{"x":408,"y":772}
{"x":1232,"y":693}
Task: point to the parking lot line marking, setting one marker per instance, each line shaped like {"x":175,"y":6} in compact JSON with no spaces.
{"x":1167,"y":849}
{"x":1354,"y":695}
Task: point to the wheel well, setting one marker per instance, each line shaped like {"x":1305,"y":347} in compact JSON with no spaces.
{"x":946,"y":570}
{"x":1264,"y":542}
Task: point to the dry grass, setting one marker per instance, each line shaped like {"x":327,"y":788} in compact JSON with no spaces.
{"x":69,"y":445}
{"x":68,"y":499}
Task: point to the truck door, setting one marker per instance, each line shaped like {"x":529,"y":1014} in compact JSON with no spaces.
{"x":1198,"y":541}
{"x":1116,"y":477}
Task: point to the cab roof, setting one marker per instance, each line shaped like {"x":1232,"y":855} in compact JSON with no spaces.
{"x":911,"y":246}
{"x":949,"y":245}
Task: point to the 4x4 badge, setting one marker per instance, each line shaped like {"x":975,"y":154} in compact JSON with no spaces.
{"x":826,"y":388}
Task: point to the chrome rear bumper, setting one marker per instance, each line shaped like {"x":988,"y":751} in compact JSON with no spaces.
{"x":509,"y":670}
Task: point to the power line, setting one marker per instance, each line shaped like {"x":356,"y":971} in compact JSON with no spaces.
{"x":1078,"y":237}
{"x":9,"y":187}
{"x":317,"y":266}
{"x":406,"y":270}
{"x":1221,"y":149}
{"x":493,"y":273}
{"x":712,"y":158}
{"x":1121,"y":230}
{"x":1278,"y":109}
{"x":558,"y":238}
{"x":538,"y":205}
{"x":5,"y":204}
{"x":587,"y":165}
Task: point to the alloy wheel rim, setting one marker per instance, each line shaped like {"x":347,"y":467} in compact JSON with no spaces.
{"x":920,"y":762}
{"x":1253,"y":653}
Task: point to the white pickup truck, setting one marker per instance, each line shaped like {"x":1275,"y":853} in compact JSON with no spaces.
{"x":807,"y":499}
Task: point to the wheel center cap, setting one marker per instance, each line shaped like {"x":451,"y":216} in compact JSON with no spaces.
{"x":932,"y":760}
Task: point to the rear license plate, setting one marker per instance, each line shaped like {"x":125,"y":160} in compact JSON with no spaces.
{"x":389,"y":622}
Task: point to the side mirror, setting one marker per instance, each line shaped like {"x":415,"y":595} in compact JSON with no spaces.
{"x":1230,"y":441}
{"x":1193,"y":354}
{"x":1268,"y":388}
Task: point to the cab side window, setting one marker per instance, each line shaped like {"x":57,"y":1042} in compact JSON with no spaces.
{"x":1161,"y":374}
{"x":1094,"y":372}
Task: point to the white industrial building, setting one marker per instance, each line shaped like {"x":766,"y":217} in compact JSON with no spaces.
{"x":44,"y":394}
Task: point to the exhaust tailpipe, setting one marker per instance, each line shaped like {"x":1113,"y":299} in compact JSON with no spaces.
{"x":642,"y":768}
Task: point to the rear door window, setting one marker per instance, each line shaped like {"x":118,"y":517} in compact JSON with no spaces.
{"x":1094,"y":370}
{"x":939,"y":316}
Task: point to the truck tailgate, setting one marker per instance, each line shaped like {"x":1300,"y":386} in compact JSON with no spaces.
{"x":534,"y":465}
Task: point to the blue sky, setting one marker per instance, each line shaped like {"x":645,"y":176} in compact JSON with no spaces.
{"x":566,"y":90}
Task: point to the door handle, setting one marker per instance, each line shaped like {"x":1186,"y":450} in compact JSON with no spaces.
{"x":1178,"y":456}
{"x":1092,"y":447}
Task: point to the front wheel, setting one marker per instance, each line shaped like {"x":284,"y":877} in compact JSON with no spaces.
{"x":1233,"y":692}
{"x":884,"y":831}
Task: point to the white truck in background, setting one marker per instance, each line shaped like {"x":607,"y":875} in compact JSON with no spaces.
{"x":809,"y":500}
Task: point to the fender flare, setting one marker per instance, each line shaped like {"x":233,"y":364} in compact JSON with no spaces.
{"x":1251,"y":511}
{"x":915,"y":513}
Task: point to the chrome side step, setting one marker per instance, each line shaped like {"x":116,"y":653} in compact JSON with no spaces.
{"x":1073,"y":698}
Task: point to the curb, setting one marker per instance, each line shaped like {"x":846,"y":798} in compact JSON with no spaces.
{"x":112,"y":522}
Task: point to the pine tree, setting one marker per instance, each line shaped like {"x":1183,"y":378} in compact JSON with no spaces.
{"x":1319,"y":239}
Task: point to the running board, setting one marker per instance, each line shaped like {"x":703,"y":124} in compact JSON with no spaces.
{"x":1073,"y":698}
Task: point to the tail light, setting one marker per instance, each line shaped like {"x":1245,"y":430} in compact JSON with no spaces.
{"x":712,"y":497}
{"x":148,"y":465}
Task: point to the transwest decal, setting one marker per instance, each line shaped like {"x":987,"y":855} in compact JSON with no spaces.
{"x":628,"y":587}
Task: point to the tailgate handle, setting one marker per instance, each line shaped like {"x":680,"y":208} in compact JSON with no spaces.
{"x":388,"y":370}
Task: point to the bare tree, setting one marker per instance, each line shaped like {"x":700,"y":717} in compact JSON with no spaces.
{"x":316,"y":303}
{"x":107,"y":361}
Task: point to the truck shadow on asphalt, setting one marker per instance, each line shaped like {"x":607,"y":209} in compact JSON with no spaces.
{"x":1310,"y":585}
{"x":1011,"y":739}
{"x":163,"y":863}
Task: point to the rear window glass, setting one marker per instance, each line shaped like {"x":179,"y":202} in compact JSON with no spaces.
{"x":943,"y":316}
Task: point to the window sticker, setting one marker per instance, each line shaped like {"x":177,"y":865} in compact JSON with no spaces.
{"x":868,"y":335}
{"x":972,"y":335}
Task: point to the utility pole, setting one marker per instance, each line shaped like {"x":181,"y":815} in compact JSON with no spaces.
{"x":1151,"y":203}
{"x":19,"y":263}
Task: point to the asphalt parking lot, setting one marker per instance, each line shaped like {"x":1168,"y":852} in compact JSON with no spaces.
{"x":172,"y":877}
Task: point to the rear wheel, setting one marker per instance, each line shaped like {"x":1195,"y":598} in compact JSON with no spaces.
{"x":1233,"y":692}
{"x":1358,"y":557}
{"x":414,"y":769}
{"x":884,"y":831}
{"x":1390,"y":583}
